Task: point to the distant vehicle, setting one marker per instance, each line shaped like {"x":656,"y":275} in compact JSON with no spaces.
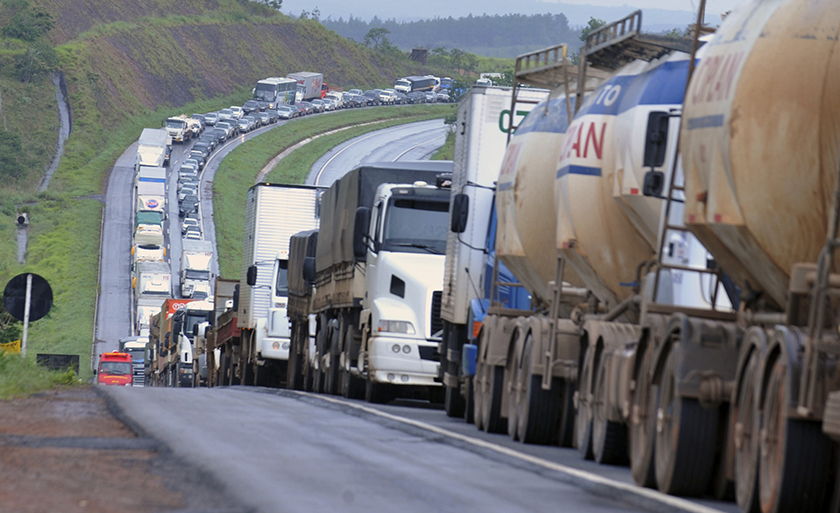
{"x":204,"y":145}
{"x":319,"y":105}
{"x":220,"y":133}
{"x":336,"y":97}
{"x":237,"y":111}
{"x":244,"y":125}
{"x":416,"y":97}
{"x":329,"y":104}
{"x":272,"y":115}
{"x":200,"y":119}
{"x":114,"y":369}
{"x":286,"y":112}
{"x":187,"y":191}
{"x":356,"y":91}
{"x":225,"y":115}
{"x":443,"y":98}
{"x":300,"y":108}
{"x":192,"y":163}
{"x":484,"y":82}
{"x":264,"y":118}
{"x":310,"y":108}
{"x":308,"y":85}
{"x":154,"y":148}
{"x":250,"y":106}
{"x":198,"y":156}
{"x":187,"y":223}
{"x":276,"y":91}
{"x":402,"y":99}
{"x":264,"y":105}
{"x":431,"y":97}
{"x":193,"y":234}
{"x":416,"y":83}
{"x":229,"y":126}
{"x":189,"y":205}
{"x":373,"y":94}
{"x":387,"y":97}
{"x":211,"y":118}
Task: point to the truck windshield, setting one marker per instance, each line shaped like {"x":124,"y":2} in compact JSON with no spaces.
{"x":265,"y":92}
{"x":136,"y":354}
{"x":281,"y":284}
{"x":115,"y":368}
{"x":176,"y":123}
{"x":191,"y":319}
{"x":403,"y":83}
{"x":416,"y":225}
{"x":192,"y":274}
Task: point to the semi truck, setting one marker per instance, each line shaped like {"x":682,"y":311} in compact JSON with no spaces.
{"x":416,"y":83}
{"x":114,"y":369}
{"x":274,"y":212}
{"x":196,"y":273}
{"x":136,"y":346}
{"x":182,"y":128}
{"x":484,"y":117}
{"x":308,"y":85}
{"x":154,"y":148}
{"x":378,"y":273}
{"x":173,"y":330}
{"x":150,"y":189}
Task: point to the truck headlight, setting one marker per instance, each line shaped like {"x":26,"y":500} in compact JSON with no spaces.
{"x":396,"y":327}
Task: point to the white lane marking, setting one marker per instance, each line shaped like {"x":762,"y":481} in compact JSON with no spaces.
{"x":357,"y":141}
{"x":647,"y":493}
{"x":417,"y":146}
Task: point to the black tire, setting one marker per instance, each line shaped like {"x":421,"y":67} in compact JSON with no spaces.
{"x":453,"y":402}
{"x":294,"y":374}
{"x":331,"y":374}
{"x":308,"y":376}
{"x":478,"y":382}
{"x":437,"y":394}
{"x":469,"y":402}
{"x":583,"y":420}
{"x":376,"y":393}
{"x":493,"y":421}
{"x":746,"y":416}
{"x":609,"y":438}
{"x":685,"y":439}
{"x":537,"y":410}
{"x":566,"y":415}
{"x":795,"y":454}
{"x":643,"y":426}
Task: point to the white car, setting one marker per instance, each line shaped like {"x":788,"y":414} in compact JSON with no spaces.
{"x":193,"y":234}
{"x":335,"y":97}
{"x":225,"y":114}
{"x":187,"y":191}
{"x":388,"y":97}
{"x":329,"y":104}
{"x":188,"y":223}
{"x":238,"y":112}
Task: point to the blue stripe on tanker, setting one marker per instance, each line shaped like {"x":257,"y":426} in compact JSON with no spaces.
{"x":578,"y":170}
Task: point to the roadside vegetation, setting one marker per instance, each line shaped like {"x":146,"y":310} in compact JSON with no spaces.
{"x":238,"y":171}
{"x":22,"y":376}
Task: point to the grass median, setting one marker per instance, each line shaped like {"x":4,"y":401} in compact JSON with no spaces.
{"x":238,"y":171}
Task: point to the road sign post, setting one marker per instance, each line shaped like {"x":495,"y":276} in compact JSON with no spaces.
{"x":26,"y":307}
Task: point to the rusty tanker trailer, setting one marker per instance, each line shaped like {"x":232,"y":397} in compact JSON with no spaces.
{"x":684,"y":321}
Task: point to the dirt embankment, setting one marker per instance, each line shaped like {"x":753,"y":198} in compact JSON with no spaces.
{"x":63,"y":450}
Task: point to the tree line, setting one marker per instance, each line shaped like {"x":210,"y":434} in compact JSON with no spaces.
{"x":497,"y":35}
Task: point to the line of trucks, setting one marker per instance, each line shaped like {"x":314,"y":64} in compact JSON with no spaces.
{"x":653,"y":292}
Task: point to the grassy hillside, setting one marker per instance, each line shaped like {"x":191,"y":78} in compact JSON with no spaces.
{"x":127,"y":65}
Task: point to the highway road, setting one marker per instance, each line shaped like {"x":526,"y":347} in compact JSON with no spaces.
{"x":281,"y":450}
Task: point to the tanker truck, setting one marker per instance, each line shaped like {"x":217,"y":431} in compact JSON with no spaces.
{"x":643,"y":339}
{"x":760,"y":152}
{"x":377,"y":274}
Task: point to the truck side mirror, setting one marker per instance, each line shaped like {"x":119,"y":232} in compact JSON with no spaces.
{"x":236,"y":298}
{"x":251,"y":277}
{"x":460,"y":213}
{"x":309,"y":270}
{"x":654,"y":183}
{"x":360,"y":228}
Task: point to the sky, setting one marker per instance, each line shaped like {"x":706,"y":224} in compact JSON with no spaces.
{"x":677,"y":13}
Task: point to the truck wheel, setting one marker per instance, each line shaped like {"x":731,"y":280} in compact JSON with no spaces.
{"x":331,"y":374}
{"x":308,"y":377}
{"x":643,"y":426}
{"x":453,"y":402}
{"x":747,"y":419}
{"x":795,"y":453}
{"x":609,"y":439}
{"x":294,"y":376}
{"x":685,"y":438}
{"x":376,"y":393}
{"x":352,"y":387}
{"x":469,"y":402}
{"x":566,"y":420}
{"x":583,"y":421}
{"x":536,"y":408}
{"x":491,"y":408}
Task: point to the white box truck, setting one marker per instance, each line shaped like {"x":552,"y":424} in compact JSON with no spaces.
{"x":154,"y":149}
{"x":196,"y":259}
{"x":308,"y":84}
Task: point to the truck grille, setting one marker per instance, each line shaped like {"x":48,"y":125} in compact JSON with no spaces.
{"x":435,"y":322}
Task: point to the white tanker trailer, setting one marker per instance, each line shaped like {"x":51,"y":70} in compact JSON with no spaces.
{"x":655,"y":316}
{"x":760,"y":143}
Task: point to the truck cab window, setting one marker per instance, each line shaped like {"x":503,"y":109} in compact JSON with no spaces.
{"x":416,"y":225}
{"x":281,"y":282}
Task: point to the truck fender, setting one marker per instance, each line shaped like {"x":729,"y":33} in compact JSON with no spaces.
{"x":786,"y":344}
{"x":676,"y":330}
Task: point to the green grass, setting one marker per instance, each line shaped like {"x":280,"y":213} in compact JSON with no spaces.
{"x":447,"y":151}
{"x":22,"y":376}
{"x":239,"y":170}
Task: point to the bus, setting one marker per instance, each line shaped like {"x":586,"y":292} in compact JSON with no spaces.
{"x":276,"y":91}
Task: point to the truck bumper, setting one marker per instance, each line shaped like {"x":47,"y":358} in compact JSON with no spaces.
{"x":398,"y":361}
{"x":275,"y":348}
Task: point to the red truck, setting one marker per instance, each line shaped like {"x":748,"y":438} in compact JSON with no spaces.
{"x":114,"y":369}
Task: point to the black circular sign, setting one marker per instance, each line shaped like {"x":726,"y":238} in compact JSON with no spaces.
{"x":14,"y":297}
